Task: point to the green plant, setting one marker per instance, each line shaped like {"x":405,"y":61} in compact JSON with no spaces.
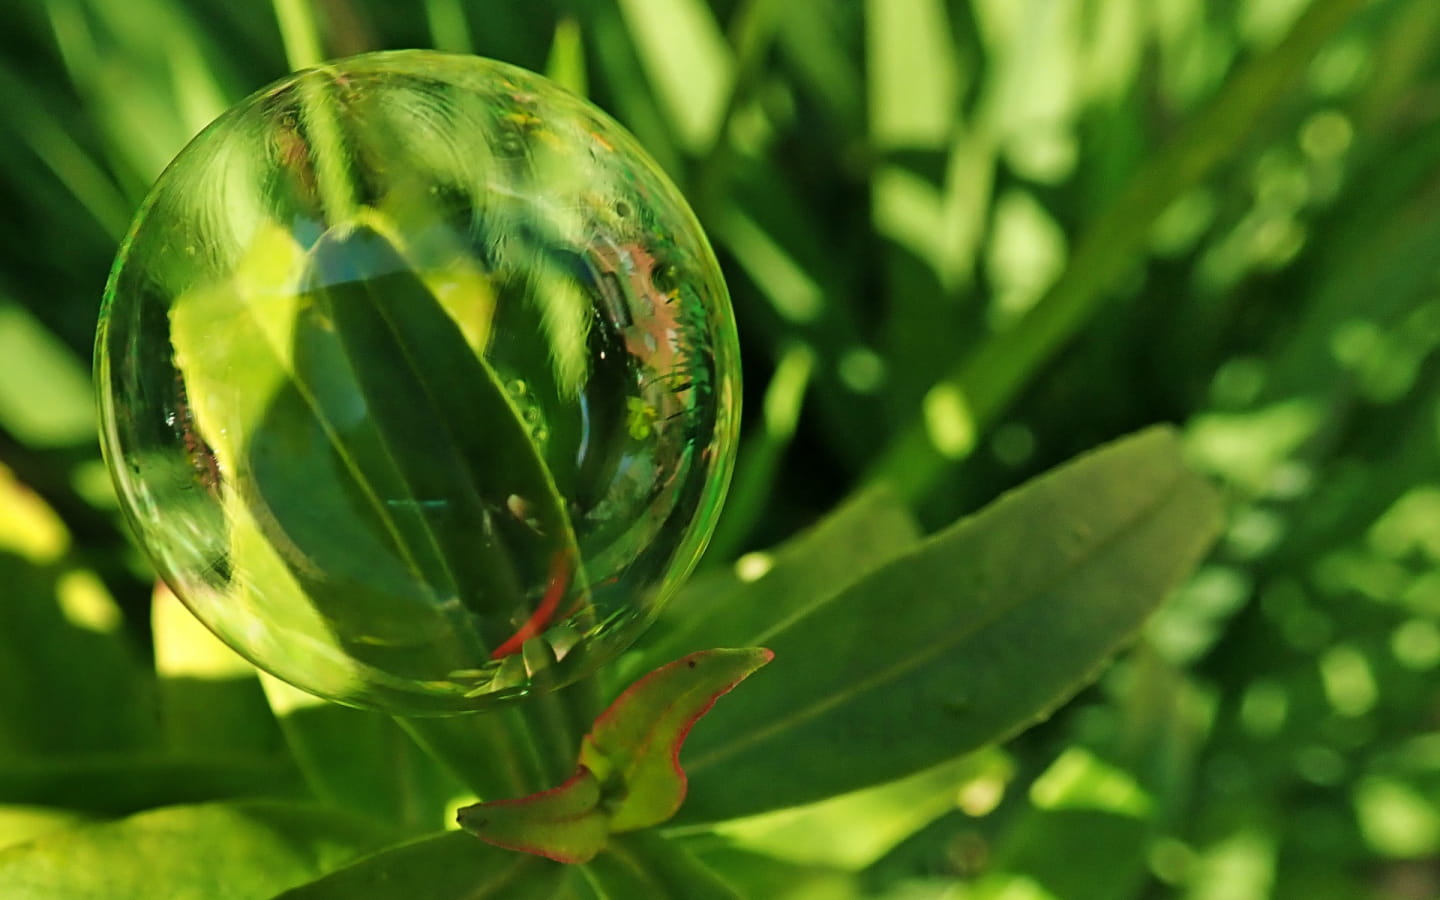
{"x":966,"y":241}
{"x":954,"y":642}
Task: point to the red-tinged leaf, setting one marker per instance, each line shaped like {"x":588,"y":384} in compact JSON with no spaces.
{"x":629,"y":775}
{"x":634,"y":747}
{"x":564,"y":823}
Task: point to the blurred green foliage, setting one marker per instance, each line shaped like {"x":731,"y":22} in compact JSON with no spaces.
{"x":965,"y":239}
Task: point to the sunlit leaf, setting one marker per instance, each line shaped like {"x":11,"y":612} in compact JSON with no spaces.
{"x":45,"y":396}
{"x":210,"y":699}
{"x":983,"y":630}
{"x":363,"y":761}
{"x":241,"y":851}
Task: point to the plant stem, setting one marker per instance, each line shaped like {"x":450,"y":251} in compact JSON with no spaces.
{"x":514,"y":751}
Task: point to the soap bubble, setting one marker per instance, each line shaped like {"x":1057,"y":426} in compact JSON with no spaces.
{"x":419,"y":382}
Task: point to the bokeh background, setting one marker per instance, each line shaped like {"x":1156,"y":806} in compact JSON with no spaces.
{"x":965,"y":239}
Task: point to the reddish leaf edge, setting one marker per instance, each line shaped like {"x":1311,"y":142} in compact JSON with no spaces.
{"x":477,"y":818}
{"x":595,"y":755}
{"x":570,"y":810}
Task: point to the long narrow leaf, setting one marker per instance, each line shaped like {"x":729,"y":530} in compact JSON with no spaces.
{"x":983,"y":630}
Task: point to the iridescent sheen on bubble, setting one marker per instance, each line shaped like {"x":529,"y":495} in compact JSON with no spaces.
{"x":417,"y":378}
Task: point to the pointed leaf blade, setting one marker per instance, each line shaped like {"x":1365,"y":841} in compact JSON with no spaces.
{"x":983,"y":630}
{"x":636,"y":743}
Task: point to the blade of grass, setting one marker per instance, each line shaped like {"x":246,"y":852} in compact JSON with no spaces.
{"x":984,"y":383}
{"x":134,"y":66}
{"x":449,"y":29}
{"x":914,"y":73}
{"x":299,"y":33}
{"x":759,"y":463}
{"x":52,"y":144}
{"x":566,"y":65}
{"x":45,"y":395}
{"x":752,"y":34}
{"x":690,"y":65}
{"x":634,"y":102}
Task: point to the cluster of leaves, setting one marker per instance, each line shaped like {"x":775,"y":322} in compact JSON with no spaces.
{"x":966,"y":239}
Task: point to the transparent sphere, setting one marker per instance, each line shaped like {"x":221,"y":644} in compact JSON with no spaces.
{"x":419,"y":382}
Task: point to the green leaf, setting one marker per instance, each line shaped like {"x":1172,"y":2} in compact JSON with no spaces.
{"x":629,"y":775}
{"x":690,"y":64}
{"x":349,"y":336}
{"x":360,"y":337}
{"x":443,"y":867}
{"x":757,"y":874}
{"x":363,"y":761}
{"x":124,"y":783}
{"x":634,"y":748}
{"x":854,"y":830}
{"x":983,"y":630}
{"x":726,"y":609}
{"x":488,"y":752}
{"x":242,"y":851}
{"x":210,"y":699}
{"x":19,"y":824}
{"x":45,"y":395}
{"x":564,"y":823}
{"x":516,"y":749}
{"x":915,"y":77}
{"x":646,"y":864}
{"x":566,"y":65}
{"x":70,"y":682}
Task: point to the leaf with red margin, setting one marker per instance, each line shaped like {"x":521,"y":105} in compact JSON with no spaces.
{"x":564,"y":823}
{"x":629,"y":775}
{"x":634,"y":746}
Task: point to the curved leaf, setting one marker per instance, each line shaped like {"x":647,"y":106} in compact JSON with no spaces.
{"x":634,"y":747}
{"x":339,"y":374}
{"x":629,"y":775}
{"x":981,"y":631}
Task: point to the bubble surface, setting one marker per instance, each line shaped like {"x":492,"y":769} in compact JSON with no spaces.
{"x":418,"y":378}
